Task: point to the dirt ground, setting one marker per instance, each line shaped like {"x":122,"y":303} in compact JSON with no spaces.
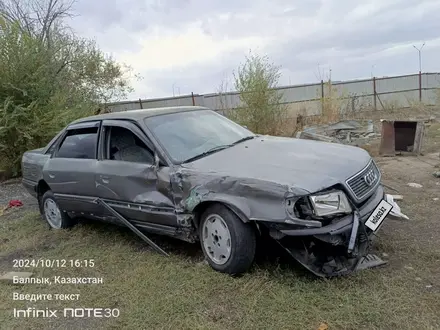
{"x":182,"y":292}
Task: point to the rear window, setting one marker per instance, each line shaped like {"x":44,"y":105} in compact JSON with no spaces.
{"x":79,"y":143}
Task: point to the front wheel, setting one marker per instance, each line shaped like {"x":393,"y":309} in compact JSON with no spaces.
{"x":228,"y":244}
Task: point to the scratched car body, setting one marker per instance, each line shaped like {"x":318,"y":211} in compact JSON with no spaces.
{"x":193,"y":174}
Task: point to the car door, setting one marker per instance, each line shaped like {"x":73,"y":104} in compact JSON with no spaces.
{"x":130,"y":182}
{"x":70,"y":172}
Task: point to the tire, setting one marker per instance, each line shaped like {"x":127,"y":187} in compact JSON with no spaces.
{"x":51,"y":212}
{"x":228,"y":244}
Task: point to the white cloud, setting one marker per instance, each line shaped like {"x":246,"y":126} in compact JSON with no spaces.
{"x":194,"y":43}
{"x":171,"y":49}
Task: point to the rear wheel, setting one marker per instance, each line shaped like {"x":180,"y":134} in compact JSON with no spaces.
{"x":228,"y":244}
{"x":51,"y":212}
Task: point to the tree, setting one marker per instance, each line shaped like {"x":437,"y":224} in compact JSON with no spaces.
{"x":49,"y":76}
{"x":262,"y":109}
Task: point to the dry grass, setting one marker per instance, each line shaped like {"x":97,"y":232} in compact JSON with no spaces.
{"x":181,"y":292}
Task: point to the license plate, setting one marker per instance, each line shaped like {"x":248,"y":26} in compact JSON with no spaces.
{"x":378,"y":215}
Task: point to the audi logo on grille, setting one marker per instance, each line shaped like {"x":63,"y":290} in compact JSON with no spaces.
{"x":370,"y":177}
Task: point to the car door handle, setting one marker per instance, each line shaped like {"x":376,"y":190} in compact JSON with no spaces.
{"x":105,"y":179}
{"x":51,"y":176}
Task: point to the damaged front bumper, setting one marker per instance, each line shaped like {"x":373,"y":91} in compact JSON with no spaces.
{"x":342,"y":246}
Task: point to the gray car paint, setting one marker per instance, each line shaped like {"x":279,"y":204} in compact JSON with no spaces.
{"x":256,"y":177}
{"x":253,"y":178}
{"x":301,"y":164}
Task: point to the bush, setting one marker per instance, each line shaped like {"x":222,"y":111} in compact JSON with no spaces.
{"x":262,"y":110}
{"x":49,"y":77}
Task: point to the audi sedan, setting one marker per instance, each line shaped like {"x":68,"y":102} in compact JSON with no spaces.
{"x":193,"y":174}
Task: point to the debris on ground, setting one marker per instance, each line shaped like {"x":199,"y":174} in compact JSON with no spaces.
{"x":323,"y":326}
{"x":415,"y":185}
{"x":11,"y":204}
{"x":352,"y":132}
{"x":15,"y":203}
{"x":395,"y":213}
{"x":436,"y":174}
{"x":3,"y":209}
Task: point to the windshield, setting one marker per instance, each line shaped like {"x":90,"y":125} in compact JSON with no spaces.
{"x":185,"y":135}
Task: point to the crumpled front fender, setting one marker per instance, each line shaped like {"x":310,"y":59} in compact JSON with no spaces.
{"x":251,"y":198}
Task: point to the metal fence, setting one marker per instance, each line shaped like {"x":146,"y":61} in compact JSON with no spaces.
{"x":353,"y":95}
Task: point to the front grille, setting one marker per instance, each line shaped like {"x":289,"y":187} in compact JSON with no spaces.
{"x":364,"y":182}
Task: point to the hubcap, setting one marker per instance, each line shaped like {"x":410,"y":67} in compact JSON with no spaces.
{"x":52,"y":213}
{"x":216,"y":239}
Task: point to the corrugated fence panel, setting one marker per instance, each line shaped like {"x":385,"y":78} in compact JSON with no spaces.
{"x":221,"y":102}
{"x":301,"y":93}
{"x":117,"y":107}
{"x":398,"y":99}
{"x":169,"y":102}
{"x":356,"y":103}
{"x":431,"y":80}
{"x":401,"y":91}
{"x":431,"y":96}
{"x":386,"y":85}
{"x":360,"y":87}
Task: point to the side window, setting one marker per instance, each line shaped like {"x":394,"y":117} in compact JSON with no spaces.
{"x":124,"y":145}
{"x":79,"y":143}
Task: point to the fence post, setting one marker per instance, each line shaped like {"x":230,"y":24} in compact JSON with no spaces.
{"x":374,"y":93}
{"x":193,"y":100}
{"x":322,"y":96}
{"x":140,"y":103}
{"x":420,"y":86}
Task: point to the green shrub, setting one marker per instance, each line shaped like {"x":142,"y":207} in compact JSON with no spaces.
{"x":261,"y":108}
{"x":48,"y":77}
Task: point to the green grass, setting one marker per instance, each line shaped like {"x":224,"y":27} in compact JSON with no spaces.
{"x":180,"y":292}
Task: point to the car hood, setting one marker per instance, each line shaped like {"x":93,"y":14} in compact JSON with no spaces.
{"x":305,"y":164}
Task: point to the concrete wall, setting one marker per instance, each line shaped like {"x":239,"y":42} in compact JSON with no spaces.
{"x":354,"y":95}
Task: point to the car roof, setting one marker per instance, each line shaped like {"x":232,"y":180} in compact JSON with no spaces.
{"x":139,"y":114}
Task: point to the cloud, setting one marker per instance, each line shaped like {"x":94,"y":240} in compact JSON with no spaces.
{"x":191,"y":45}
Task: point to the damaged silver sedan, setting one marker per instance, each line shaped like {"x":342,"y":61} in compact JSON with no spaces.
{"x":193,"y":174}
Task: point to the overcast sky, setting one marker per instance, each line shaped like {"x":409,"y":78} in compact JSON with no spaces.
{"x":192,"y":45}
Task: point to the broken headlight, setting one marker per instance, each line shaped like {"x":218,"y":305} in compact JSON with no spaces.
{"x":330,"y":203}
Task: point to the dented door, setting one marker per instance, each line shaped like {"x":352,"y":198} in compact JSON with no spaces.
{"x":133,"y":189}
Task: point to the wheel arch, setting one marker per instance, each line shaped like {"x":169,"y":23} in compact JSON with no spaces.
{"x":205,"y":204}
{"x":42,"y":187}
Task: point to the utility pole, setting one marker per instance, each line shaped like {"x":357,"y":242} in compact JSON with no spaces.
{"x":176,"y":88}
{"x":420,"y":70}
{"x":420,"y":56}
